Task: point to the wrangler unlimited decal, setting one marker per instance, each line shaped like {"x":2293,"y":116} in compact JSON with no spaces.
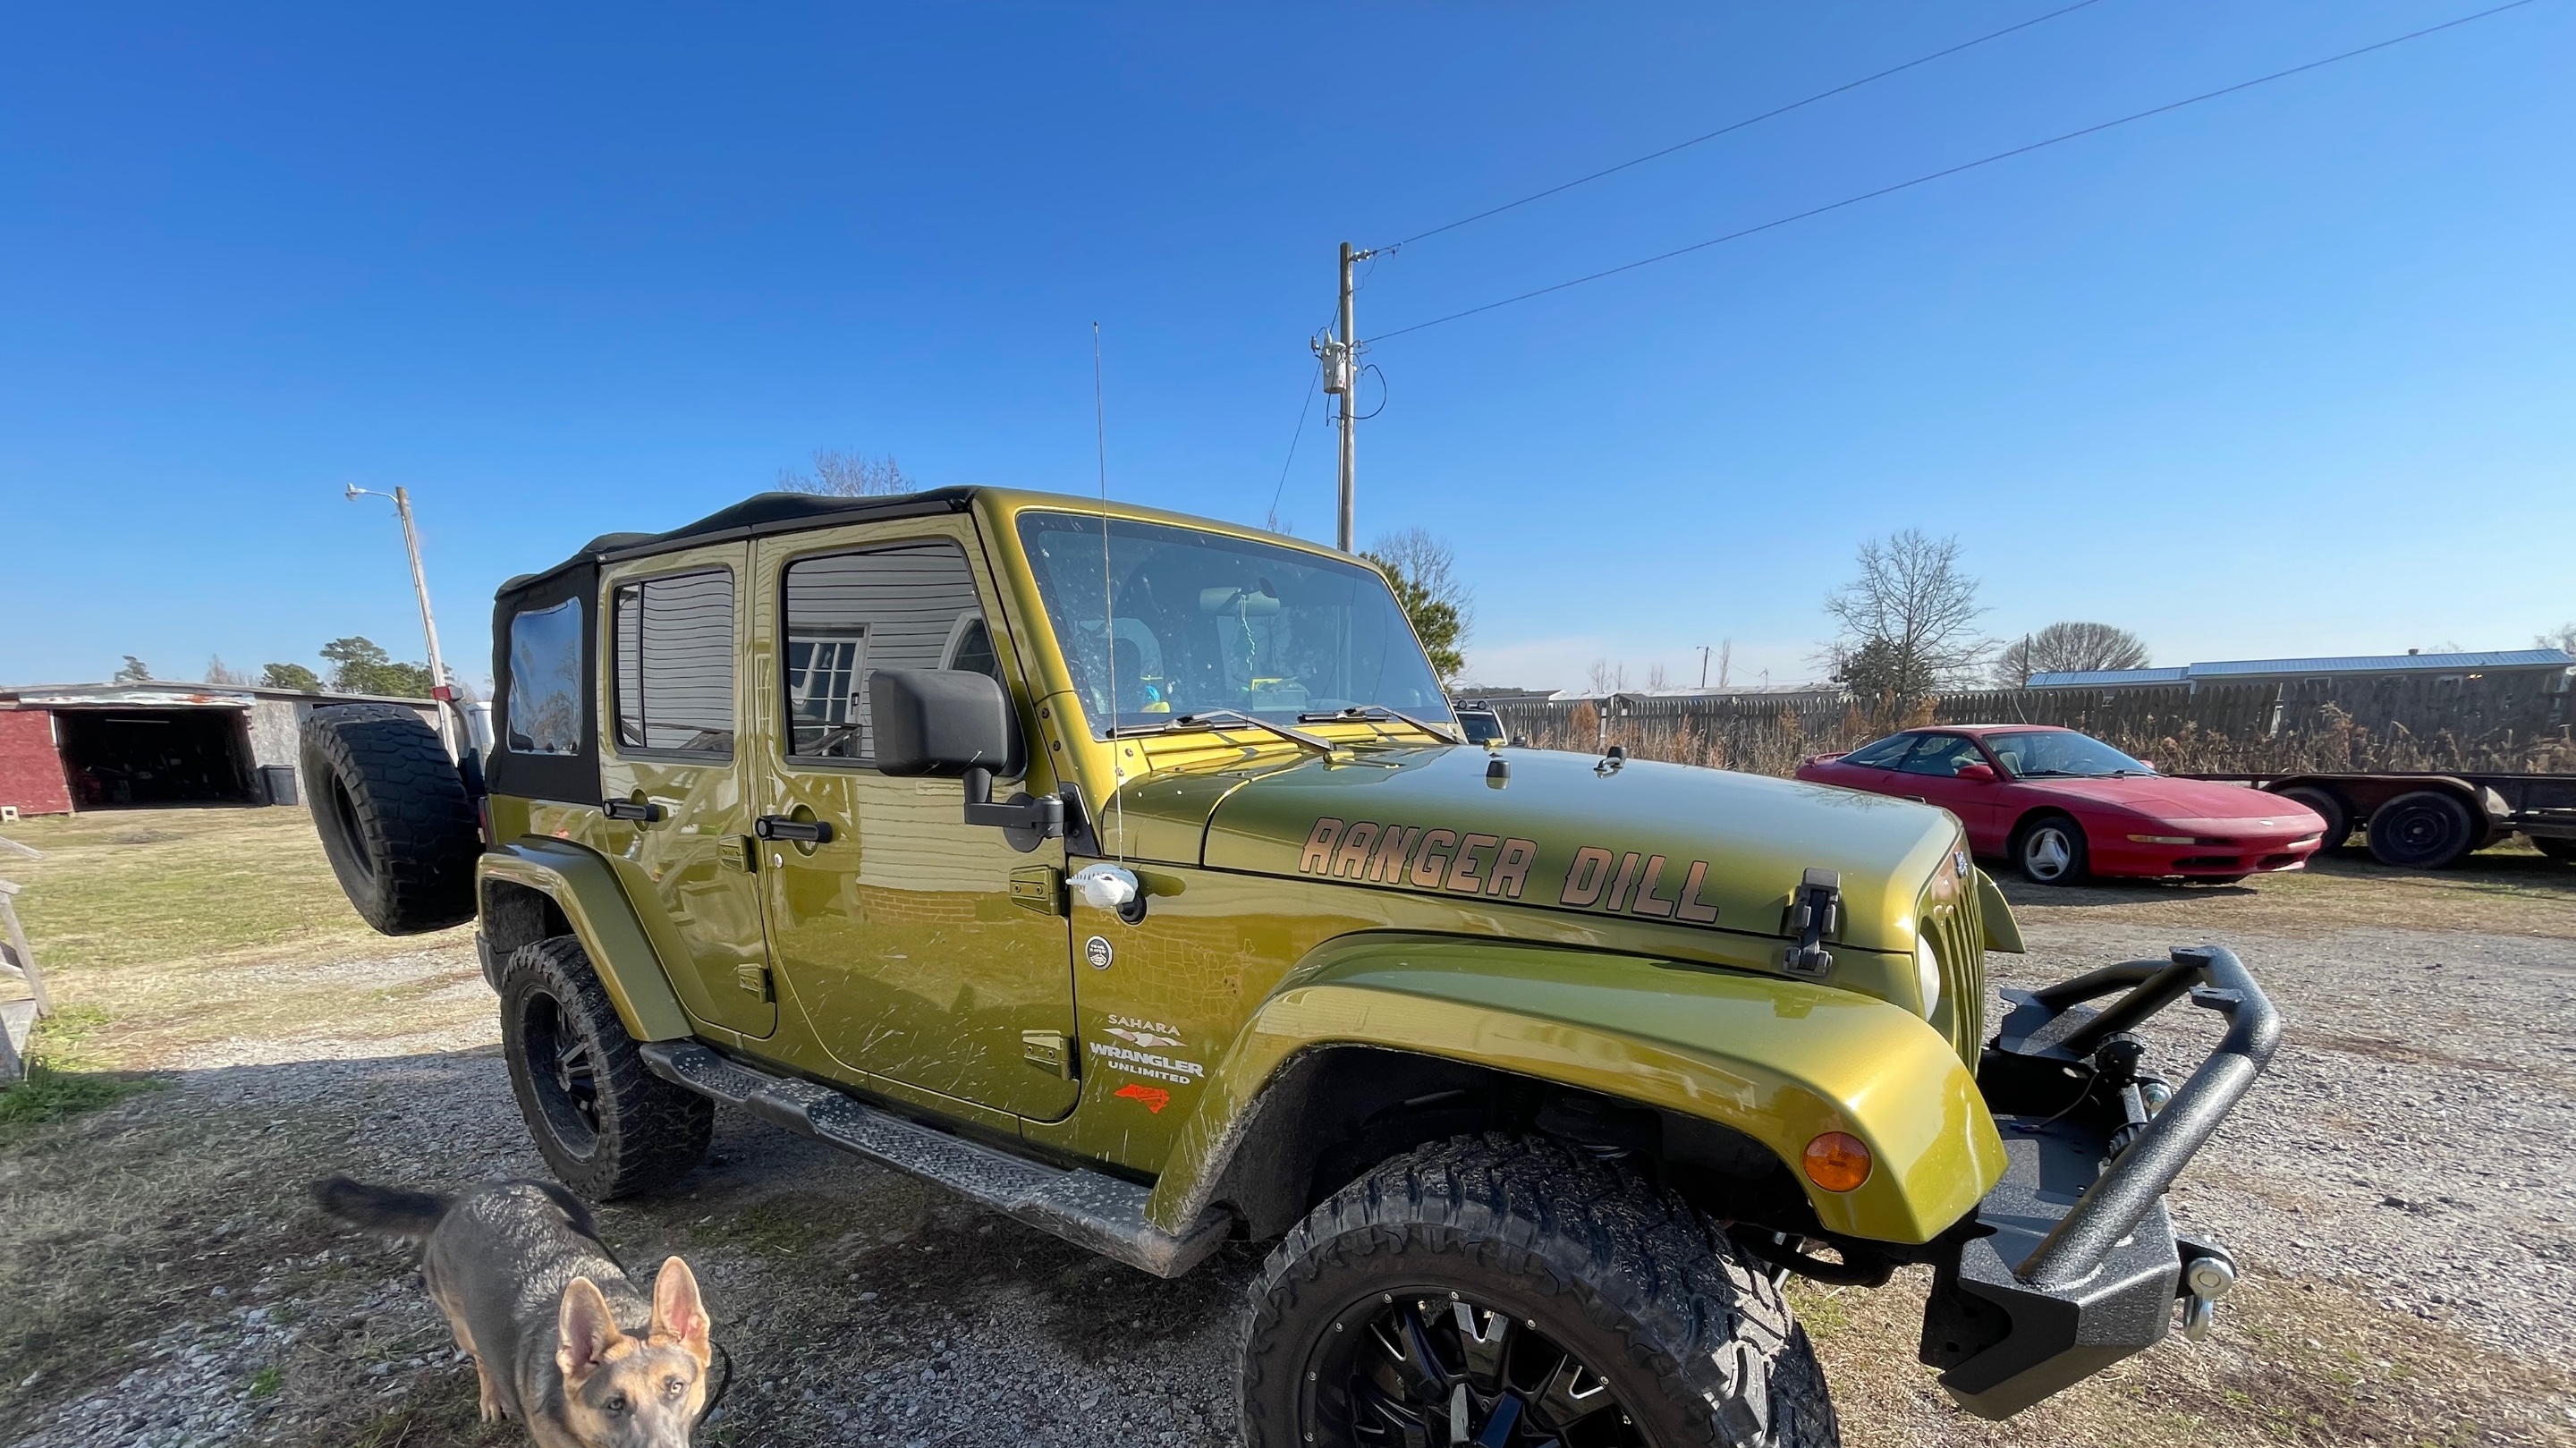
{"x":1494,"y":865}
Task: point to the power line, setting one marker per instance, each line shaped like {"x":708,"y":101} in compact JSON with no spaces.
{"x":1963,"y":166}
{"x":1740,"y":125}
{"x":1281,"y":491}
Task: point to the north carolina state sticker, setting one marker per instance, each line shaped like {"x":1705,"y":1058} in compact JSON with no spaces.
{"x":1154,"y":1098}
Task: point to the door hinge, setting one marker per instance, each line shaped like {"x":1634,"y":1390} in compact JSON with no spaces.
{"x":1049,"y":1051}
{"x":737,"y":853}
{"x":1039,"y":888}
{"x":753,"y":979}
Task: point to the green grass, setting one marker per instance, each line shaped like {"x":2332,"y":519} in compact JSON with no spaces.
{"x":62,"y":1082}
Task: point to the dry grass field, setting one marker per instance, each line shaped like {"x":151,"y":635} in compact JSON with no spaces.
{"x":231,"y":1031}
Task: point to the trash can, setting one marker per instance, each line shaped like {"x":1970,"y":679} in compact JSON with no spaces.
{"x":277,"y":783}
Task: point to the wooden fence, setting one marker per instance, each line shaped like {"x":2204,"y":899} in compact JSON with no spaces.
{"x":2497,"y":723}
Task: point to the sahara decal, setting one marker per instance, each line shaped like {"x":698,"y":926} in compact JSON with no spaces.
{"x":1655,"y":887}
{"x":1146,"y":1063}
{"x":1144,"y":1035}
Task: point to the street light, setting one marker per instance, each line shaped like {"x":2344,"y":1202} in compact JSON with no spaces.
{"x":438,"y":688}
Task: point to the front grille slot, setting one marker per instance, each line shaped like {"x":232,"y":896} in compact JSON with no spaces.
{"x":1958,"y":942}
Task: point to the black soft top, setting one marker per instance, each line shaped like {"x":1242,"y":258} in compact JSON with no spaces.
{"x":753,"y":517}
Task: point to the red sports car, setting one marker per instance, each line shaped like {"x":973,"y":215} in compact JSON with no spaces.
{"x":2062,"y":805}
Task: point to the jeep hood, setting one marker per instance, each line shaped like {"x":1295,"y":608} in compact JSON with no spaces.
{"x":1653,"y":843}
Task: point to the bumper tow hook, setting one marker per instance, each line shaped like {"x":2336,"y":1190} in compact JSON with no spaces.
{"x":2205,"y":1281}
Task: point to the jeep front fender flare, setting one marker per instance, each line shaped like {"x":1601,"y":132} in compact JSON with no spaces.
{"x":586,"y":891}
{"x":1778,"y":1060}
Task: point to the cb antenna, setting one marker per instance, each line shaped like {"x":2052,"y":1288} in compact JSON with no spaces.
{"x":1108,"y":596}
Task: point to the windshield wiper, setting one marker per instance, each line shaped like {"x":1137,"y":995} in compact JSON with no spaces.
{"x":1366,"y":712}
{"x":1220,"y":719}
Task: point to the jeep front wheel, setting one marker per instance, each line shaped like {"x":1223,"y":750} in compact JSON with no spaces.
{"x":1506,"y":1291}
{"x":608,"y":1127}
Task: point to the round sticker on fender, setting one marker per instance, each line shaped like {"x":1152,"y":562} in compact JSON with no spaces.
{"x":1096,"y":950}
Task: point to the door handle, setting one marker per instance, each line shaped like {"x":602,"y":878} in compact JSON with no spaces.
{"x":803,"y":832}
{"x":629,"y":809}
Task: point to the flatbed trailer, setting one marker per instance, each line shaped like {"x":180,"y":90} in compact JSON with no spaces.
{"x":2430,"y":820}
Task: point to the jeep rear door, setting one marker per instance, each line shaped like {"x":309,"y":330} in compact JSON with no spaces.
{"x":675,"y":784}
{"x":892,"y":920}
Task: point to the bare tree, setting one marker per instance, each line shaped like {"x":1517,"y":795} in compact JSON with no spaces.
{"x":1426,"y":559}
{"x":1607,"y":677}
{"x":839,"y":474}
{"x":220,"y":673}
{"x":2063,"y":648}
{"x":1656,"y":681}
{"x":1908,"y":623}
{"x":2563,"y":639}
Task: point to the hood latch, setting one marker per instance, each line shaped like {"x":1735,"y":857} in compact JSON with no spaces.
{"x":1813,"y":913}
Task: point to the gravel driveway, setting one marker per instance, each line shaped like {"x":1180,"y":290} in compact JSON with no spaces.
{"x":2408,"y":1153}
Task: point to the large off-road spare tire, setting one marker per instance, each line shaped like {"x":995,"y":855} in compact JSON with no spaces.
{"x":393,"y":815}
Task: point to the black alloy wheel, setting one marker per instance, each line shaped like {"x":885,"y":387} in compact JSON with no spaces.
{"x":607,"y":1126}
{"x":1433,"y":1366}
{"x":564,"y":1078}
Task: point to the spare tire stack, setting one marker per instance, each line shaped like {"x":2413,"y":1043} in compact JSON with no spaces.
{"x":394,"y":816}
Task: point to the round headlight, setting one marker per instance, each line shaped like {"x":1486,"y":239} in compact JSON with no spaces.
{"x":1927,"y":977}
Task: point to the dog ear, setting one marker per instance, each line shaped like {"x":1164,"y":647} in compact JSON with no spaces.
{"x":677,"y":1311}
{"x":585,"y":1331}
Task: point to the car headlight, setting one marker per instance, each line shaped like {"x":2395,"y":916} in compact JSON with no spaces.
{"x":1927,"y":976}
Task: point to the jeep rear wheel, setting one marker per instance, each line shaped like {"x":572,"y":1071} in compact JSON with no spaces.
{"x":393,"y":815}
{"x":607,"y":1126}
{"x":1506,"y":1291}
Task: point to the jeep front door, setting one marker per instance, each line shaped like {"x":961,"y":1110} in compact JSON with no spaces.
{"x":895,"y":922}
{"x":679,"y":816}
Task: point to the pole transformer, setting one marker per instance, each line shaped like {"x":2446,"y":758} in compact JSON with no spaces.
{"x":1340,"y":356}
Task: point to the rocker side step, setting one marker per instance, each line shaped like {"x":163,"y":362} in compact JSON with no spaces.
{"x":1087,"y":1208}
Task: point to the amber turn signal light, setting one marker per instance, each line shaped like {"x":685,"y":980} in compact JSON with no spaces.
{"x":1837,"y":1161}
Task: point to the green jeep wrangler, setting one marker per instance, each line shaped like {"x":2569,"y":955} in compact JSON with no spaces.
{"x":1125,"y":873}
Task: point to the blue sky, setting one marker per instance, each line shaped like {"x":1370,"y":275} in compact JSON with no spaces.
{"x":2285,"y":373}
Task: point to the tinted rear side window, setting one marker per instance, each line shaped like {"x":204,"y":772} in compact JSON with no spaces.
{"x":675,"y":655}
{"x":912,"y":606}
{"x":1883,"y":754}
{"x":545,"y":681}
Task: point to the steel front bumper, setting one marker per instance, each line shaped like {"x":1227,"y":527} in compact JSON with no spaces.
{"x":2071,"y":1264}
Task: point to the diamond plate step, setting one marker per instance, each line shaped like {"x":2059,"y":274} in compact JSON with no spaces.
{"x":1087,"y":1208}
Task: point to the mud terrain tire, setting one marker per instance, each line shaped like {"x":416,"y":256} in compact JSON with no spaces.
{"x":608,"y":1127}
{"x":1696,"y":1346}
{"x":393,"y":816}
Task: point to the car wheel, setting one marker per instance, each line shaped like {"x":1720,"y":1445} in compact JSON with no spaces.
{"x":2051,"y":851}
{"x":1513,"y":1291}
{"x":607,"y":1126}
{"x":2330,"y":808}
{"x":2429,"y":829}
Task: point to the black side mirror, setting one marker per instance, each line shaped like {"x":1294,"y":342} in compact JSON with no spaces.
{"x":957,"y":722}
{"x":942,"y":721}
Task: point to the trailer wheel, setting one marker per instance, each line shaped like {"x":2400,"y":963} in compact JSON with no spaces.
{"x":2329,"y":807}
{"x":2429,"y":829}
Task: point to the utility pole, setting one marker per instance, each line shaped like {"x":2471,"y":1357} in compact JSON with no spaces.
{"x":1703,"y":666}
{"x":438,"y":687}
{"x":1341,"y":379}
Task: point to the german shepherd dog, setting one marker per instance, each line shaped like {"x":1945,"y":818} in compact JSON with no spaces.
{"x":563,"y":1341}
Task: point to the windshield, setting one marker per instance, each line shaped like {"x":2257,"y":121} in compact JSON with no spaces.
{"x":2054,"y":755}
{"x":1196,"y":622}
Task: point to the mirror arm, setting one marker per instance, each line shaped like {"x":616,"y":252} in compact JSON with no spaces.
{"x":1046,"y":815}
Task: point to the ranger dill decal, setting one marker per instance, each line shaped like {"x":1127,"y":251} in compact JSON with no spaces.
{"x":1655,"y":887}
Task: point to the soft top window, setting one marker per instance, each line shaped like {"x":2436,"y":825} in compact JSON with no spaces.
{"x":545,"y":714}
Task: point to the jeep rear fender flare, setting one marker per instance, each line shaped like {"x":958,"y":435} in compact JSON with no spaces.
{"x":584,"y":888}
{"x":1781,"y":1061}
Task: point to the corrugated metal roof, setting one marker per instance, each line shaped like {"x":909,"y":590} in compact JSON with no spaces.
{"x":2346,"y":664}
